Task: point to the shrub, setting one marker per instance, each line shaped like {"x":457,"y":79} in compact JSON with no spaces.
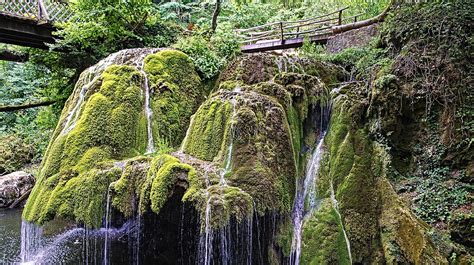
{"x":14,"y":153}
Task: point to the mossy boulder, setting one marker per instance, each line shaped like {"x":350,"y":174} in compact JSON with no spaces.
{"x":322,"y":239}
{"x":376,"y":221}
{"x":104,"y":121}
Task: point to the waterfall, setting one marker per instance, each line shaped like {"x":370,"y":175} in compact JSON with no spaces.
{"x":107,"y":225}
{"x":188,"y":131}
{"x":306,"y":190}
{"x":228,"y":157}
{"x":95,"y":70}
{"x":205,"y":242}
{"x":335,"y":205}
{"x":150,"y":147}
{"x":31,"y":240}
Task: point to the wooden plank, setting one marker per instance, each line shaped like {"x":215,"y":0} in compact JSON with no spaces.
{"x":286,"y":44}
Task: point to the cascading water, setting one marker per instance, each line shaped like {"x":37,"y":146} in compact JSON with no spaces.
{"x":306,"y":189}
{"x":107,"y":224}
{"x":31,"y":240}
{"x":88,"y":81}
{"x":150,"y":148}
{"x":335,"y":205}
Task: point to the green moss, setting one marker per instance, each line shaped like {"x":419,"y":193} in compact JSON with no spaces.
{"x":208,"y":129}
{"x":224,"y":203}
{"x":126,"y":190}
{"x":111,"y":125}
{"x":284,"y":238}
{"x":323,"y":239}
{"x":177,"y":93}
{"x":91,"y":157}
{"x":164,"y":181}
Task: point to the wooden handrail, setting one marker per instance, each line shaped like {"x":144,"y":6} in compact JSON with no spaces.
{"x":326,"y":15}
{"x":291,"y":22}
{"x":283,"y":30}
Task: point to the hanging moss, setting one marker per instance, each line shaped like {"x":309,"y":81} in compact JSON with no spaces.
{"x":164,"y":180}
{"x":208,"y":128}
{"x":177,"y":93}
{"x":284,"y":238}
{"x":125,"y":191}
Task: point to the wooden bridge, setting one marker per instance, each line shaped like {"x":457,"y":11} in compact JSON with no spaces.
{"x":30,"y":23}
{"x":291,"y":34}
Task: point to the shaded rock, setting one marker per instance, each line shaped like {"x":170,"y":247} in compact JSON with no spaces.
{"x":13,"y":186}
{"x":353,"y":38}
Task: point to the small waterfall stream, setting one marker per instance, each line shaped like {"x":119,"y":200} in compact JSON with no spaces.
{"x":335,"y":205}
{"x":107,"y":225}
{"x":150,"y":147}
{"x":306,"y":190}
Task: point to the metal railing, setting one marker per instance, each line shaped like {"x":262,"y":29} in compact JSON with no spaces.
{"x":47,"y":11}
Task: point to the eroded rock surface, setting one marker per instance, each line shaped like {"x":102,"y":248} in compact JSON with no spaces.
{"x":13,"y":186}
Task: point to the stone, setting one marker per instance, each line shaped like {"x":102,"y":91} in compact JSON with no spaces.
{"x":13,"y":186}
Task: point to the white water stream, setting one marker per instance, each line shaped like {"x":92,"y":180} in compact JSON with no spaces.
{"x":150,"y":147}
{"x":307,"y":190}
{"x":335,"y":205}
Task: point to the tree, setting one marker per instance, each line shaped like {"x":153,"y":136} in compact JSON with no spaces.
{"x":217,"y":10}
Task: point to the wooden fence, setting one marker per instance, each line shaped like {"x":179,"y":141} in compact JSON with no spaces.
{"x":47,"y":11}
{"x":287,"y":30}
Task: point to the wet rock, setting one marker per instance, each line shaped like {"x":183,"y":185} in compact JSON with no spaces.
{"x":13,"y":186}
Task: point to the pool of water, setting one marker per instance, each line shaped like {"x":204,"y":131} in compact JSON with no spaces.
{"x":72,"y":246}
{"x":10,"y":234}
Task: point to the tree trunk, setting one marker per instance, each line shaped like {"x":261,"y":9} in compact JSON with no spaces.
{"x":363,"y":23}
{"x":27,"y":106}
{"x":217,"y":10}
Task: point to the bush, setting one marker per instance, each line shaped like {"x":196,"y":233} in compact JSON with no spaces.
{"x":14,"y":153}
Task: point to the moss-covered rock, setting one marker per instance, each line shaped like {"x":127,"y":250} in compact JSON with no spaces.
{"x":376,"y":221}
{"x":322,"y":240}
{"x":104,"y":120}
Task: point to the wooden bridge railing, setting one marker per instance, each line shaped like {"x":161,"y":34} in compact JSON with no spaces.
{"x":285,"y":30}
{"x":46,"y":11}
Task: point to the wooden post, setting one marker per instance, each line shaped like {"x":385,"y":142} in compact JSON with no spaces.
{"x":355,"y":19}
{"x":297,"y":31}
{"x":339,"y":22}
{"x":281,"y":30}
{"x":42,"y":12}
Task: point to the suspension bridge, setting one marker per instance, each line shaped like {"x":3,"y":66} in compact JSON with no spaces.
{"x":30,"y":23}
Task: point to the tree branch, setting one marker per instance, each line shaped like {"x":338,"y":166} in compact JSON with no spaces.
{"x":364,"y":23}
{"x":8,"y":108}
{"x":7,"y":55}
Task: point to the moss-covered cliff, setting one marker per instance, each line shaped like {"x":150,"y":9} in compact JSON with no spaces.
{"x":230,"y":160}
{"x":104,"y":121}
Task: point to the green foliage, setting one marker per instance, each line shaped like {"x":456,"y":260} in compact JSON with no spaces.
{"x":439,"y":194}
{"x":20,"y":84}
{"x":203,"y":56}
{"x":14,"y":153}
{"x":101,"y":27}
{"x":210,"y":55}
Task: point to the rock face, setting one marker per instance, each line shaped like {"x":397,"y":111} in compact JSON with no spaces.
{"x":132,"y":102}
{"x":13,"y":186}
{"x":137,"y":140}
